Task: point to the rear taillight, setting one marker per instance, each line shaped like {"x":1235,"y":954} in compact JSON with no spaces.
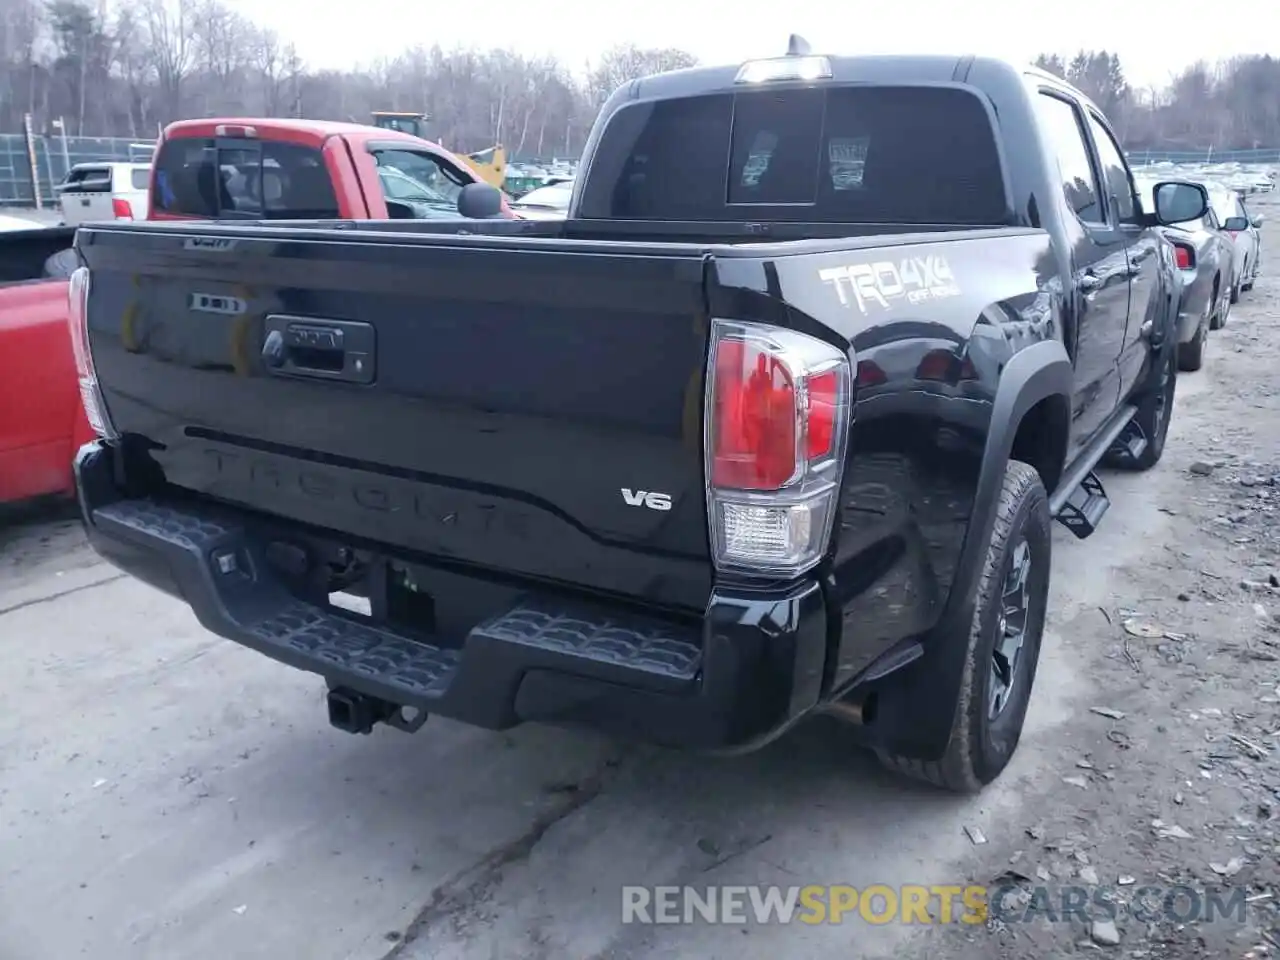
{"x":95,"y":410}
{"x":121,"y":209}
{"x":1185,"y":257}
{"x":777,"y":422}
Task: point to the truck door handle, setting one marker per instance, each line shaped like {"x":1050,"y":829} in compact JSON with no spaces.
{"x":319,"y":349}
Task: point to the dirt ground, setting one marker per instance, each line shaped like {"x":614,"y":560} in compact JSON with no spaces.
{"x":1182,"y":790}
{"x":167,"y":794}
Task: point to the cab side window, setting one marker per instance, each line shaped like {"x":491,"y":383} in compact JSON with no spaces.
{"x":1115,"y":171}
{"x":1066,"y":136}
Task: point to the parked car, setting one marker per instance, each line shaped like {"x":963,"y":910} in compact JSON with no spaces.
{"x":1203,"y":255}
{"x":623,"y":468}
{"x":545,"y":203}
{"x":1248,"y":228}
{"x":1233,"y":222}
{"x":104,"y":191}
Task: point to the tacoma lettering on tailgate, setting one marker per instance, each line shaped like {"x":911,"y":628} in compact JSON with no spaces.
{"x":915,"y":279}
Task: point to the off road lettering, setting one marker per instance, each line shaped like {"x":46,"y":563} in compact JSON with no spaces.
{"x":882,"y":282}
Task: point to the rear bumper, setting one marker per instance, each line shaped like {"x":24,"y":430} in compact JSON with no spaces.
{"x":745,"y":673}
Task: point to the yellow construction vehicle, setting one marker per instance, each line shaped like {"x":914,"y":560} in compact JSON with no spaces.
{"x":490,"y":164}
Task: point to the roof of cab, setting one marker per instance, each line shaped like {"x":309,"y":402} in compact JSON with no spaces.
{"x":319,"y":129}
{"x":876,"y":68}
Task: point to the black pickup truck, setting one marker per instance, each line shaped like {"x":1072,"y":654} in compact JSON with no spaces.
{"x":773,"y":424}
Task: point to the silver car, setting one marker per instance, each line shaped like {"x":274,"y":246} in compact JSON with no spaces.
{"x":1235,"y":224}
{"x":550,"y":202}
{"x":1248,"y":228}
{"x":1203,"y":254}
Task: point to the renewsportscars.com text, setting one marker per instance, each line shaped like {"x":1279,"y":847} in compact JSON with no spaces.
{"x":931,"y":904}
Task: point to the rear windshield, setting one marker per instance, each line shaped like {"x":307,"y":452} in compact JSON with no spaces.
{"x":250,"y":178}
{"x":89,"y":180}
{"x":867,"y":154}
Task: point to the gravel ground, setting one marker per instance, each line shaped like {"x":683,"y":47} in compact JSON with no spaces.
{"x":164,"y":793}
{"x":49,"y":215}
{"x":1183,"y":788}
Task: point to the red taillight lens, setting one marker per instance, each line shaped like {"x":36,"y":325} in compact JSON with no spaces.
{"x":755,"y":419}
{"x":824,"y":400}
{"x":778,"y":411}
{"x":121,"y":209}
{"x":1183,"y":256}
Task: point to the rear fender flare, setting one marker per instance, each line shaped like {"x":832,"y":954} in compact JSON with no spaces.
{"x":918,"y":708}
{"x":1032,"y":374}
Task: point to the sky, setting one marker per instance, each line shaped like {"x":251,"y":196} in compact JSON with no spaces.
{"x":1154,"y":40}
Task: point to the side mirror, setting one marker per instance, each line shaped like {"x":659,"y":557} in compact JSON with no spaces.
{"x":399,"y":211}
{"x":1236,"y":224}
{"x":480,"y":201}
{"x":1257,"y":220}
{"x":1178,"y":201}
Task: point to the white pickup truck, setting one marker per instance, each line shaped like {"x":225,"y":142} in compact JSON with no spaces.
{"x":94,"y":192}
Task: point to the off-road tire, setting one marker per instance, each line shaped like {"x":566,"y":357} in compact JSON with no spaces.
{"x":1235,"y":293}
{"x":1152,"y":417}
{"x":1191,"y":355}
{"x":979,"y":747}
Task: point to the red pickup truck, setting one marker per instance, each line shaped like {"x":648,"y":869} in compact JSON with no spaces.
{"x":303,"y":170}
{"x":254,"y":169}
{"x":41,"y":420}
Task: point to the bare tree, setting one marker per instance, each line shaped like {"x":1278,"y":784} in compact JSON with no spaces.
{"x":125,"y":67}
{"x":170,"y":49}
{"x":627,"y":62}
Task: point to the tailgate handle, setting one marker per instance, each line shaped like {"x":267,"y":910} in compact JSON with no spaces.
{"x":319,"y":349}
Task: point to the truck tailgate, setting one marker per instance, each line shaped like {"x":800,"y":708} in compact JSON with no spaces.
{"x":508,"y":405}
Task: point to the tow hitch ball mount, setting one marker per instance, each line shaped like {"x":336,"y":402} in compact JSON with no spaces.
{"x":355,"y":712}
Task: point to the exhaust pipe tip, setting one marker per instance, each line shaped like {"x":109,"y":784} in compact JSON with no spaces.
{"x":859,"y":712}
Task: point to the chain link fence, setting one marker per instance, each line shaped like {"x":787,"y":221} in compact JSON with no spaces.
{"x":1262,"y":156}
{"x":31,"y":167}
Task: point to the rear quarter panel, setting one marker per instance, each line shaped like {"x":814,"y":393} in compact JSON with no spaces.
{"x":41,"y":420}
{"x":920,"y":421}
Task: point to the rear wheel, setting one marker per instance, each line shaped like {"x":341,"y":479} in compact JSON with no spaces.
{"x":1191,"y":355}
{"x":1155,"y":411}
{"x":1002,"y":645}
{"x":1221,"y":307}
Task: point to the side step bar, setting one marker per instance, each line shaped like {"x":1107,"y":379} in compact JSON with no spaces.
{"x":1080,"y":502}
